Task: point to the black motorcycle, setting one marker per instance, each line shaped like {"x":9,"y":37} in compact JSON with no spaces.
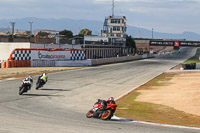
{"x":25,"y":86}
{"x":39,"y":83}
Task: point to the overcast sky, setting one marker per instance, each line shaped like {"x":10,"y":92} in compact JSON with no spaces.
{"x":168,"y":16}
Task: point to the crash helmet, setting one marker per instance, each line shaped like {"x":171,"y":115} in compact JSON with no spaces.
{"x":110,"y":99}
{"x":30,"y":77}
{"x":44,"y":74}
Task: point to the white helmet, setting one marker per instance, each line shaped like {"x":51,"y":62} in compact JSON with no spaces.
{"x":44,"y":74}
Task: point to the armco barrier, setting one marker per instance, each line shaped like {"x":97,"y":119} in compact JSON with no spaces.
{"x":189,"y":66}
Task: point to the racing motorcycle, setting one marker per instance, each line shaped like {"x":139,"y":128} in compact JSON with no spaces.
{"x":25,"y":86}
{"x":104,"y":114}
{"x":39,"y":84}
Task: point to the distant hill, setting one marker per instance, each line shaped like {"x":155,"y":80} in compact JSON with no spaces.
{"x":95,"y":26}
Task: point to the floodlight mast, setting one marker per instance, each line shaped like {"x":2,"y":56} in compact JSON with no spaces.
{"x":31,"y":23}
{"x":13,"y":27}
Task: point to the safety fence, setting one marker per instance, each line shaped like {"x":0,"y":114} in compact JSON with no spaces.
{"x":43,"y":63}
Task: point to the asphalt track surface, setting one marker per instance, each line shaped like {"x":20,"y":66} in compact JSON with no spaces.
{"x":60,"y":106}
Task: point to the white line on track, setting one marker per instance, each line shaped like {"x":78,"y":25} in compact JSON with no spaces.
{"x":153,"y":124}
{"x":7,"y":79}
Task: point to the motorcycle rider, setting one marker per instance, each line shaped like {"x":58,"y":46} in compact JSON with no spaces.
{"x":28,"y":79}
{"x":111,"y":100}
{"x":42,"y":78}
{"x":104,"y":102}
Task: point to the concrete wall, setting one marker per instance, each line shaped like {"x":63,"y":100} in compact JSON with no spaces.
{"x":118,"y":59}
{"x":7,"y":48}
{"x":197,"y":65}
{"x":144,"y":44}
{"x":73,"y":63}
{"x":89,"y":62}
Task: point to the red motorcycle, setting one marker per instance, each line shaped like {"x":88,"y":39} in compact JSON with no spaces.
{"x":99,"y":112}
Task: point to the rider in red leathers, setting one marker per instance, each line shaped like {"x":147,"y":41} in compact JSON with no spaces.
{"x":104,"y":102}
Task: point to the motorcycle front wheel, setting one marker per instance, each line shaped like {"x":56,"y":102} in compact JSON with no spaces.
{"x":106,"y":115}
{"x":90,"y":113}
{"x":21,"y":90}
{"x":37,"y":86}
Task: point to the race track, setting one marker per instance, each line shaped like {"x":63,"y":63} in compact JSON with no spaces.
{"x":60,"y":106}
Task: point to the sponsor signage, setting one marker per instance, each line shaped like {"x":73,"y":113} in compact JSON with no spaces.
{"x":192,"y":44}
{"x":50,"y":55}
{"x":161,"y":43}
{"x":176,"y":44}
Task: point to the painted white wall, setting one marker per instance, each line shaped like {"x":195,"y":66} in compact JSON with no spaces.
{"x":50,"y":55}
{"x":6,"y":48}
{"x":95,"y":38}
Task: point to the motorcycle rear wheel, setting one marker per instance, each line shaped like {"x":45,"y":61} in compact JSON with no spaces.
{"x":106,"y":115}
{"x":90,"y":114}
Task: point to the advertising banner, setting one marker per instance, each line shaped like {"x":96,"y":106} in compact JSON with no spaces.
{"x":50,"y":55}
{"x":176,"y":44}
{"x":161,"y":43}
{"x":190,"y":43}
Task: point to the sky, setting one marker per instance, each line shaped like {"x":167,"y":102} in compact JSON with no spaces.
{"x":167,"y":16}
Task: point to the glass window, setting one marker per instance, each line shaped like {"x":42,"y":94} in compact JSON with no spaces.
{"x":116,"y":28}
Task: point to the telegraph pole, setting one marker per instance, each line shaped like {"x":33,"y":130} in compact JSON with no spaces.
{"x":31,"y":23}
{"x":13,"y":28}
{"x":152,"y":33}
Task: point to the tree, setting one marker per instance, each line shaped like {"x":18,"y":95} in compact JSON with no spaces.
{"x":42,"y":34}
{"x":85,"y":32}
{"x":66,"y":33}
{"x":130,"y":42}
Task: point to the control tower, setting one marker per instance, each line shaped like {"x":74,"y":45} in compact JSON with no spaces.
{"x":115,"y":28}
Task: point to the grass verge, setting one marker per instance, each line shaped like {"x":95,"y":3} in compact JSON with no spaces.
{"x":194,"y":59}
{"x":142,"y":111}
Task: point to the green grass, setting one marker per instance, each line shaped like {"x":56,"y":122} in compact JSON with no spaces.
{"x":142,"y":111}
{"x":194,"y":59}
{"x":158,"y":81}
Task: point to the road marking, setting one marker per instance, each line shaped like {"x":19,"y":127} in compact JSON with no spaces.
{"x":153,"y":124}
{"x":7,"y":79}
